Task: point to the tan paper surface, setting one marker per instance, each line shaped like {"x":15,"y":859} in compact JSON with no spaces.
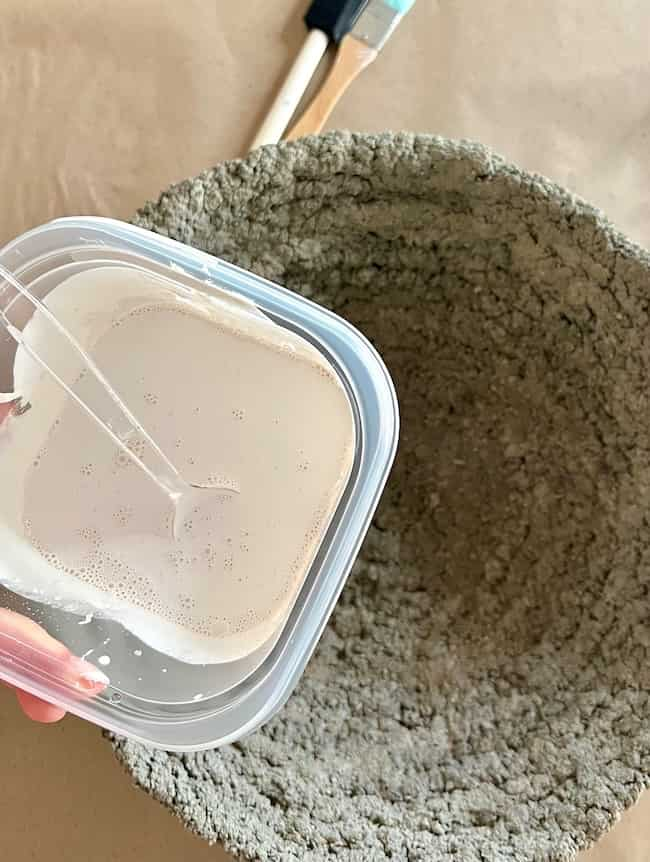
{"x":103,"y":104}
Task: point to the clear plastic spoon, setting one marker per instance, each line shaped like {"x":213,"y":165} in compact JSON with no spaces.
{"x":102,"y":403}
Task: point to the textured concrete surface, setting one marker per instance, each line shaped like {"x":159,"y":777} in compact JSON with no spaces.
{"x":483,"y":688}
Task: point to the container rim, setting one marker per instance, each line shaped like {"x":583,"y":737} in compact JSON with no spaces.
{"x":372,"y":393}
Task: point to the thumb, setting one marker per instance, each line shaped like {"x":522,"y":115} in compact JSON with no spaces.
{"x":27,"y":643}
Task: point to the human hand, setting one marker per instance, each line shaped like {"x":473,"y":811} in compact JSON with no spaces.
{"x":29,"y":641}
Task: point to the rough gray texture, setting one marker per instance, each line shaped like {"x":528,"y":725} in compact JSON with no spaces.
{"x":482,"y":692}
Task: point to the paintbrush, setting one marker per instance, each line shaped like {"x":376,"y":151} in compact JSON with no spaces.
{"x":326,"y":20}
{"x":357,"y":50}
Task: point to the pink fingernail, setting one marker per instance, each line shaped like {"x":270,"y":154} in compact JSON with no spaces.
{"x":93,"y":679}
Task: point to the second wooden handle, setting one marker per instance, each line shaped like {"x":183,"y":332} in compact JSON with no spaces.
{"x":352,"y":58}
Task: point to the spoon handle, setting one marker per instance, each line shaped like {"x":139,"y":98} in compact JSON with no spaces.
{"x":91,"y":390}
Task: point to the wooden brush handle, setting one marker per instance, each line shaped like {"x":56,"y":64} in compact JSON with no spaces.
{"x":352,"y":58}
{"x":292,"y":90}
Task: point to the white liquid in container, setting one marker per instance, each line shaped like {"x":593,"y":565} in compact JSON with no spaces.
{"x":233,"y":399}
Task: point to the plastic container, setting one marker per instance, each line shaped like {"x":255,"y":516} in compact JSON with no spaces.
{"x":151,"y":697}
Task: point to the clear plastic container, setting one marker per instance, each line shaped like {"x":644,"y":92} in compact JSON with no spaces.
{"x":151,"y":697}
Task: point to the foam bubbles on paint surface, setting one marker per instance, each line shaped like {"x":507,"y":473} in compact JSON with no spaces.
{"x":225,"y":574}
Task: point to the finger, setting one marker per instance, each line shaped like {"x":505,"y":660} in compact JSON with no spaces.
{"x":34,"y":707}
{"x":39,"y":710}
{"x":25,"y":640}
{"x":5,"y":409}
{"x":23,"y":629}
